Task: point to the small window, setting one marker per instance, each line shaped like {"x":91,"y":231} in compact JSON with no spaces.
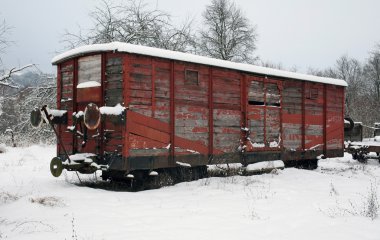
{"x":89,"y":71}
{"x":191,"y":78}
{"x":313,"y":94}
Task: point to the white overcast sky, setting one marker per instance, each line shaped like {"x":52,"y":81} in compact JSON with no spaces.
{"x":301,"y":33}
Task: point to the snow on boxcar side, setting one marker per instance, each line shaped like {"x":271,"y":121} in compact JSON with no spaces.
{"x":133,"y":110}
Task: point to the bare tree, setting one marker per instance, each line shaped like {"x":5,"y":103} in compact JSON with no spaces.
{"x":6,"y":75}
{"x":350,"y":70}
{"x":227,"y":33}
{"x":175,"y":38}
{"x":133,"y":22}
{"x":270,"y":64}
{"x":372,"y":70}
{"x":330,"y":72}
{"x":4,"y":41}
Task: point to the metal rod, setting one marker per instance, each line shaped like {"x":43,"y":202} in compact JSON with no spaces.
{"x":210,"y":116}
{"x":172,"y":113}
{"x":55,"y":131}
{"x":325,"y":120}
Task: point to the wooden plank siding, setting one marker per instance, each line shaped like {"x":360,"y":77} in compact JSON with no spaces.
{"x":314,"y":118}
{"x":292,"y":115}
{"x":227,"y":109}
{"x":149,"y":87}
{"x":65,"y":101}
{"x":191,"y":105}
{"x":112,"y":133}
{"x":334,"y":119}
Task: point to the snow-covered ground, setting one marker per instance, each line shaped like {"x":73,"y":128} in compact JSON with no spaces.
{"x":328,"y":203}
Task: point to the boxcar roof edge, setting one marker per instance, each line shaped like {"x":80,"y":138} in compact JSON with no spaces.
{"x":187,"y":57}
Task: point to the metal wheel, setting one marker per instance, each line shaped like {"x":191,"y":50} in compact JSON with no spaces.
{"x":56,"y":167}
{"x":313,"y":164}
{"x":361,"y":158}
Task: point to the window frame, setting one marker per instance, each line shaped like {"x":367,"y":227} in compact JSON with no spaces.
{"x":97,"y":58}
{"x":313,"y":93}
{"x":190,"y":82}
{"x":264,"y":103}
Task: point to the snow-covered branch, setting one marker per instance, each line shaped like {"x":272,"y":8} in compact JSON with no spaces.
{"x":4,"y":79}
{"x":14,"y":70}
{"x":35,"y":89}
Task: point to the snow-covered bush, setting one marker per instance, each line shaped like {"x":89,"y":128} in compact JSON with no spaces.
{"x":368,"y":206}
{"x":371,"y":204}
{"x":47,"y":201}
{"x":225,"y":170}
{"x":6,"y":197}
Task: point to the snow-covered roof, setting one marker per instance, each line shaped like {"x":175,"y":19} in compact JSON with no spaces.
{"x":186,"y":57}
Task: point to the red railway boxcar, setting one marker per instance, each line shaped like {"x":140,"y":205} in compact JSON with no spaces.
{"x":133,"y":111}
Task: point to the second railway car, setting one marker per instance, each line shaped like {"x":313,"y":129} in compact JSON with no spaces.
{"x":131,"y":110}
